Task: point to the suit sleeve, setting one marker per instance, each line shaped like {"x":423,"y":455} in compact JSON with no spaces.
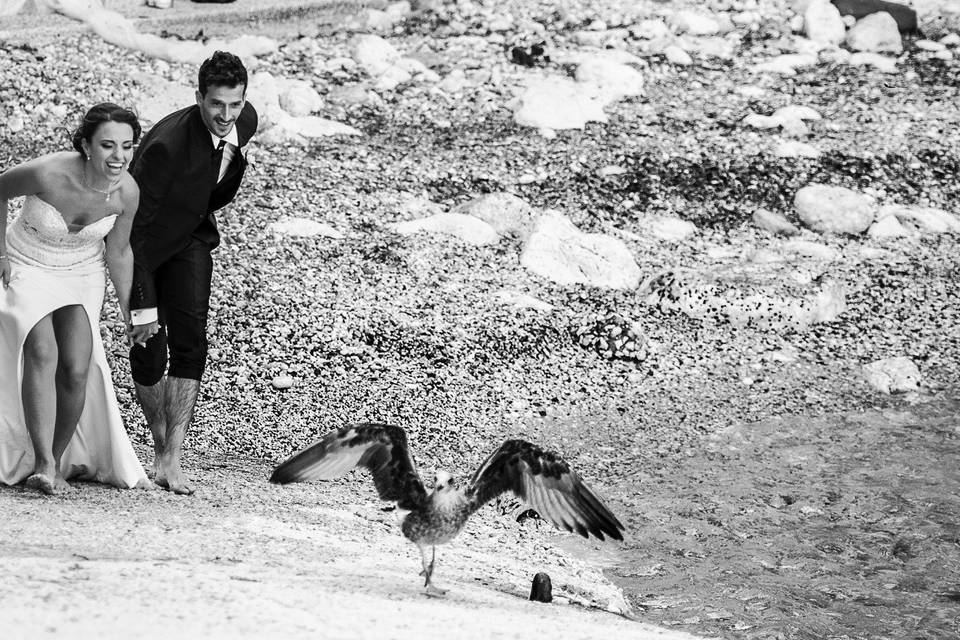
{"x":153,"y":171}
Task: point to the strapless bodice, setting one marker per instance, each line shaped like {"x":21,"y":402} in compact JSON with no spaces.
{"x":40,"y":237}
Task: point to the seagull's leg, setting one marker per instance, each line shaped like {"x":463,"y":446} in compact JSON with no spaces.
{"x":431,"y":590}
{"x":427,"y":567}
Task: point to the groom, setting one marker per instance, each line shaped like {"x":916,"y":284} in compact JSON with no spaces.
{"x":188,"y":166}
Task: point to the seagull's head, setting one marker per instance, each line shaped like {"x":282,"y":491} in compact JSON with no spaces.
{"x":443,"y":481}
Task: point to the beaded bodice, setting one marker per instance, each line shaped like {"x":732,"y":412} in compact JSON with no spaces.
{"x":40,"y":237}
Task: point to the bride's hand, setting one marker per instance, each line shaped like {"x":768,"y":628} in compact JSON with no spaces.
{"x":139,"y":334}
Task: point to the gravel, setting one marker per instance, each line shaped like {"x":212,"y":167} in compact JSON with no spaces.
{"x":408,"y":330}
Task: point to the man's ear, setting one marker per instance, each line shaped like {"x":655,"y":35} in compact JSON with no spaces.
{"x":199,"y":97}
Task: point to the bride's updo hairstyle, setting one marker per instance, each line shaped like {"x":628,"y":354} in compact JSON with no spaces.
{"x":97,"y":115}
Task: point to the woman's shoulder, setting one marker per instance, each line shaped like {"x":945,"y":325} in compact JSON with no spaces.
{"x":60,"y":161}
{"x":129,"y":193}
{"x":51,"y":168}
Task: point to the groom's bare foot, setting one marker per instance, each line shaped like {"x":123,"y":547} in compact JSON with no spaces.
{"x":159,"y":475}
{"x":170,"y":476}
{"x":179,"y":484}
{"x":41,"y":482}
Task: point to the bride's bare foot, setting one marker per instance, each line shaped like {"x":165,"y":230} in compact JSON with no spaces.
{"x":146,"y":485}
{"x":61,"y":485}
{"x":41,"y":482}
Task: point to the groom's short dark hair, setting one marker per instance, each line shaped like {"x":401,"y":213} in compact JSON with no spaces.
{"x":222,"y":69}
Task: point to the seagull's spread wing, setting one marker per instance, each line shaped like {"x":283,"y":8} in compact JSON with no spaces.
{"x":546,"y":483}
{"x":381,"y":448}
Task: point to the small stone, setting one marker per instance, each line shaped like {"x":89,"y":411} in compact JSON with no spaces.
{"x":282,"y":381}
{"x":898,"y":374}
{"x":929,"y":45}
{"x":676,"y":55}
{"x":774,"y":222}
{"x":542,"y":589}
{"x":611,"y":170}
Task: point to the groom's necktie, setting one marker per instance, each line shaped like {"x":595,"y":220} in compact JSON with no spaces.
{"x":216,"y":160}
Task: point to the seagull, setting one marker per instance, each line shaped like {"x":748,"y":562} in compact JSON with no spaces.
{"x":541,"y":478}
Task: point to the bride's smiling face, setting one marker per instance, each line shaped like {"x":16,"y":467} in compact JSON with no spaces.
{"x":110,"y":149}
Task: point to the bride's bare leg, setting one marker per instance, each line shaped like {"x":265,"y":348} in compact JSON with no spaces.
{"x":75,"y":345}
{"x":39,"y":402}
{"x":151,"y":399}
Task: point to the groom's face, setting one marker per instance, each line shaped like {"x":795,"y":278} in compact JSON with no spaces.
{"x":220,"y":107}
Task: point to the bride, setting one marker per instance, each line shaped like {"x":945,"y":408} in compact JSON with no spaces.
{"x":59,"y":416}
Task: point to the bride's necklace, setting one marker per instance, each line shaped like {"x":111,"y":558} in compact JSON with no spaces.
{"x":107,"y":193}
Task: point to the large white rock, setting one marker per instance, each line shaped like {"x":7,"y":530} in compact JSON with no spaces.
{"x":375,"y":55}
{"x":504,"y":212}
{"x":877,"y":33}
{"x":161,"y":97}
{"x":299,"y":98}
{"x":887,"y":227}
{"x":302,"y":227}
{"x":790,"y":119}
{"x":885,"y":64}
{"x":467,"y":228}
{"x":830,"y":209}
{"x":797,"y":112}
{"x":795,"y":149}
{"x":740,"y":300}
{"x":676,"y":55}
{"x":929,"y":45}
{"x":695,"y":23}
{"x":786,"y":64}
{"x":558,"y":251}
{"x":521,"y":300}
{"x":279,"y":127}
{"x":263,"y":90}
{"x":650,"y":29}
{"x":893,"y":375}
{"x":773,"y":222}
{"x":670,"y":228}
{"x":711,"y":47}
{"x":290,"y":130}
{"x":614,"y":80}
{"x":558,"y":103}
{"x":316,"y":127}
{"x":812,"y":250}
{"x":822,"y":23}
{"x":929,"y":220}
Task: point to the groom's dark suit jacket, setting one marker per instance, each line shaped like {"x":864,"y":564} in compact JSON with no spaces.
{"x":179,"y":191}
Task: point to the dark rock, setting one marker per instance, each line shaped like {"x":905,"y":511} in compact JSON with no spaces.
{"x":905,"y":16}
{"x":542,"y":590}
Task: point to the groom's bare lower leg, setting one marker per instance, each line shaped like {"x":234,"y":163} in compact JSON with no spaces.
{"x":180,"y":398}
{"x":151,"y":399}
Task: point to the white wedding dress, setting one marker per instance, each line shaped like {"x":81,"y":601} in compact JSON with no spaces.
{"x":53,"y":268}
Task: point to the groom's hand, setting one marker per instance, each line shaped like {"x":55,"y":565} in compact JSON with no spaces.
{"x":140,"y":333}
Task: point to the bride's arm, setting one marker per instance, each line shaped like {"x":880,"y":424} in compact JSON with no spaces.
{"x":21,"y":180}
{"x":118,"y":254}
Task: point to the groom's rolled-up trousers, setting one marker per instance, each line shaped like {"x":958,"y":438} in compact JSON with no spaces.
{"x":183,"y":300}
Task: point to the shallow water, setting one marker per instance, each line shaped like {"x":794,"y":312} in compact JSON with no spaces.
{"x":839,"y":526}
